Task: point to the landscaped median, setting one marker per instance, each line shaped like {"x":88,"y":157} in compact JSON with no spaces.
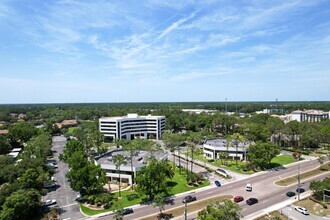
{"x":293,"y":179}
{"x":192,"y":207}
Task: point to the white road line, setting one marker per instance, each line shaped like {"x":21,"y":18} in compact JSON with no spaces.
{"x":68,"y":205}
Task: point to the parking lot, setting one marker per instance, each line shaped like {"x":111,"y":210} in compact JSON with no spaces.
{"x":64,"y":195}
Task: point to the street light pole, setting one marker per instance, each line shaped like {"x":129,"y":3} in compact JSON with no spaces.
{"x":298,"y":182}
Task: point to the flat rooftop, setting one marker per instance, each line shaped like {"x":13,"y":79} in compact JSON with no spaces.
{"x":138,"y":160}
{"x":222,"y":144}
{"x":133,"y":116}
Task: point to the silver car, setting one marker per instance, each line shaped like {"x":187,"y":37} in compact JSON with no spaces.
{"x":301,"y":210}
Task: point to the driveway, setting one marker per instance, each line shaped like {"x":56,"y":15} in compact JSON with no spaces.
{"x":295,"y":215}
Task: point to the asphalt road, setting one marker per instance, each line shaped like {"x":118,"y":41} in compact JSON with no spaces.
{"x":64,"y":195}
{"x":264,"y":190}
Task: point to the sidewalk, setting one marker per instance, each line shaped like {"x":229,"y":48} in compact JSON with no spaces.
{"x":235,"y":176}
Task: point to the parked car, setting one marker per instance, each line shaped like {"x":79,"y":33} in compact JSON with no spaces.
{"x":290,"y":194}
{"x":128,"y":211}
{"x":222,"y":172}
{"x":217,"y":183}
{"x":54,"y":165}
{"x":238,"y":198}
{"x":49,"y":202}
{"x":251,"y":201}
{"x":248,"y":187}
{"x":49,"y":185}
{"x":189,"y":198}
{"x":300,"y":190}
{"x":301,"y":210}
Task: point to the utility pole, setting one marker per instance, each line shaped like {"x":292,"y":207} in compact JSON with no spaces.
{"x":185,"y":211}
{"x":298,"y":182}
{"x":226,"y":106}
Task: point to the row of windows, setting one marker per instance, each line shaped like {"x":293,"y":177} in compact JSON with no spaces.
{"x":104,"y":129}
{"x":140,"y":120}
{"x":108,"y":126}
{"x":138,"y":127}
{"x":116,"y":171}
{"x":125,"y":132}
{"x":136,"y":124}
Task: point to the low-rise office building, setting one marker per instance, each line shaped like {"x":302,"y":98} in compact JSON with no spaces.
{"x":126,"y":175}
{"x":131,"y":126}
{"x":310,"y":115}
{"x":213,"y":148}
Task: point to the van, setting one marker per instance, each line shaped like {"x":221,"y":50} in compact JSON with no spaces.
{"x":248,"y":187}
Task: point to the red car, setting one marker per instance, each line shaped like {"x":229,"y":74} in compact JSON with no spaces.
{"x":238,"y":199}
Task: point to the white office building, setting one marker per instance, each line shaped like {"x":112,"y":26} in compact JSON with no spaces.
{"x":213,"y":148}
{"x":131,"y":126}
{"x":310,"y":115}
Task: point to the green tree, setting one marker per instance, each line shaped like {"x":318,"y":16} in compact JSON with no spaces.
{"x":4,"y":145}
{"x":234,"y":140}
{"x":318,"y":187}
{"x":159,"y":201}
{"x":21,"y":132}
{"x":152,"y":179}
{"x":22,"y":204}
{"x":31,"y":179}
{"x":261,"y":154}
{"x":119,"y":160}
{"x":226,"y":210}
{"x":294,"y":129}
{"x":132,"y":148}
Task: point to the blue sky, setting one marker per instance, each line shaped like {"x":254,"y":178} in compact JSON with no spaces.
{"x":163,"y":51}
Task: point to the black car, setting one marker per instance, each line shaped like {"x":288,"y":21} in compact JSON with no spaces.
{"x":189,"y":198}
{"x":128,"y":211}
{"x":251,"y":201}
{"x":290,"y":194}
{"x":300,"y":190}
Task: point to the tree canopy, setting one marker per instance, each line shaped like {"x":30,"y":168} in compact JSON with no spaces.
{"x":226,"y":210}
{"x":261,"y":154}
{"x":152,"y":179}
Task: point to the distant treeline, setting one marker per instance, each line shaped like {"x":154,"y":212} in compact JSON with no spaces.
{"x":108,"y":108}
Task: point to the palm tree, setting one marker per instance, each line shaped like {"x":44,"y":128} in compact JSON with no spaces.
{"x":234,"y":140}
{"x":119,"y":160}
{"x":132,"y":148}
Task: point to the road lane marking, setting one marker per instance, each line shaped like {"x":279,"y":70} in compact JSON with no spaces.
{"x":68,"y":205}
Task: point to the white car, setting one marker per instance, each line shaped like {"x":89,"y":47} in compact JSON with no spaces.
{"x":248,"y":187}
{"x":301,"y":210}
{"x":49,"y":202}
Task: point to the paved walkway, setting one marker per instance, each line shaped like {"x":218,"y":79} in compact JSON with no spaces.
{"x":235,"y":176}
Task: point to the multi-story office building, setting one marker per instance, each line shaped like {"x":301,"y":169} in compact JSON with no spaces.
{"x":132,"y":125}
{"x":309,"y":115}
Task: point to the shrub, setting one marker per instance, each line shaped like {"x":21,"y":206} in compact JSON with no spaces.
{"x":132,"y":196}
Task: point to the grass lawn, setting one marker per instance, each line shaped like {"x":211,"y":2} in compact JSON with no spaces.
{"x":283,"y":160}
{"x":308,"y":174}
{"x":178,"y":184}
{"x":192,"y":207}
{"x":71,"y":130}
{"x":272,"y":215}
{"x":240,"y":168}
{"x":313,"y":207}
